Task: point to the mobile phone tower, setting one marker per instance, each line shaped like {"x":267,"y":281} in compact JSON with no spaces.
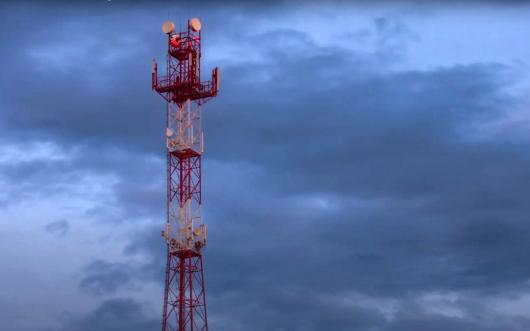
{"x":184,"y":233}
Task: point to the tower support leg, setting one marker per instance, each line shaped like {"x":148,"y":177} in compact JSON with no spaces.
{"x":185,"y":296}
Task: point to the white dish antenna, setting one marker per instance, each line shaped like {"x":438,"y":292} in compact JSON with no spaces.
{"x":168,"y":27}
{"x":195,"y":24}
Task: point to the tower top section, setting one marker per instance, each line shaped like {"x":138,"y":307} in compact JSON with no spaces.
{"x":182,"y":81}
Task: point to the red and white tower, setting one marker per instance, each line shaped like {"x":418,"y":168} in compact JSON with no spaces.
{"x":184,"y":233}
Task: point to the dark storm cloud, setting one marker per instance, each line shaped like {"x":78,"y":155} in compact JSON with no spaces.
{"x":317,"y":312}
{"x":101,"y":277}
{"x":417,"y":321}
{"x":72,"y":76}
{"x":445,"y":201}
{"x":120,"y":314}
{"x":419,"y":205}
{"x":35,"y":178}
{"x":297,"y":309}
{"x":284,"y":311}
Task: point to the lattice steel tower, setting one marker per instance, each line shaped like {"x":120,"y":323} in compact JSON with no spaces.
{"x":184,"y":233}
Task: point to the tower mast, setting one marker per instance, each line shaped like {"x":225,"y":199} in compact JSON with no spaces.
{"x":185,"y":234}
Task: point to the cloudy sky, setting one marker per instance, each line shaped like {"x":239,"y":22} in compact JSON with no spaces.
{"x":366,"y":165}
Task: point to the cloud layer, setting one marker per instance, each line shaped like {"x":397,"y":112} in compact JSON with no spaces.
{"x":344,"y":188}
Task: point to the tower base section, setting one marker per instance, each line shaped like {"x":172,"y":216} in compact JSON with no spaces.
{"x":184,"y":295}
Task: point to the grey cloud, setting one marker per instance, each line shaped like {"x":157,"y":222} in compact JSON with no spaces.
{"x":59,"y":228}
{"x":414,"y":321}
{"x":102,"y":277}
{"x":114,"y":315}
{"x":26,"y":179}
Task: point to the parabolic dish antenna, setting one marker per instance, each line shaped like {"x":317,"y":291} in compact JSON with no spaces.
{"x":168,"y":27}
{"x":195,"y":24}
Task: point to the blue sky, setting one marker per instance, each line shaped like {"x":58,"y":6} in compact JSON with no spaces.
{"x":366,"y":165}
